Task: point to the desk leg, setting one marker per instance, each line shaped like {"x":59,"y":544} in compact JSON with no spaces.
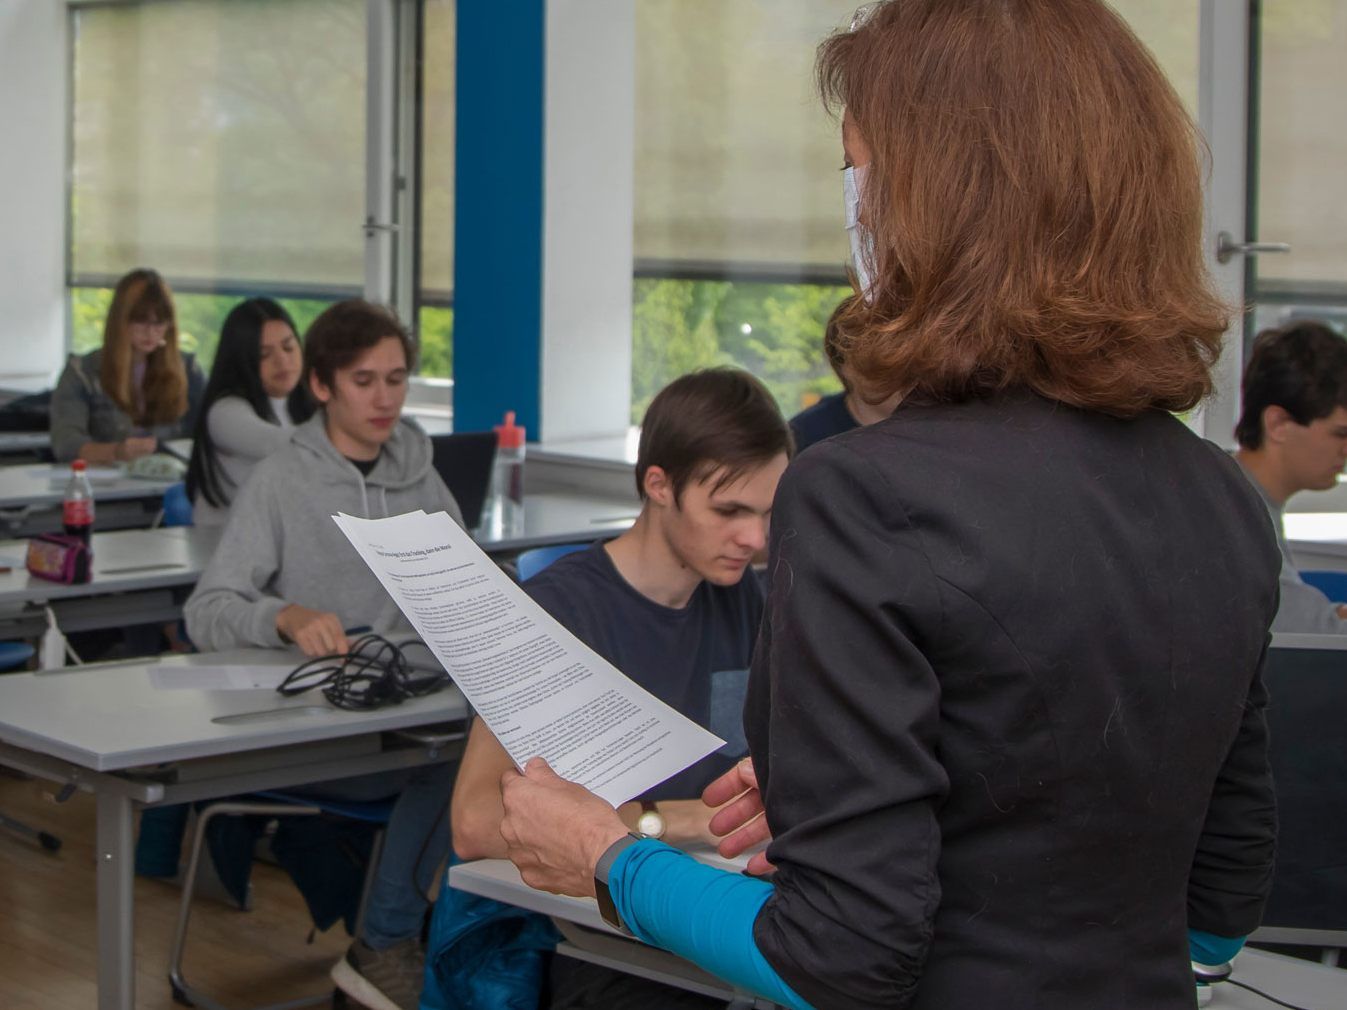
{"x":116,"y":913}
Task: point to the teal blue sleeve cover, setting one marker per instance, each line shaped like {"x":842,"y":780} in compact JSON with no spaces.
{"x":1208,"y":948}
{"x":704,"y":914}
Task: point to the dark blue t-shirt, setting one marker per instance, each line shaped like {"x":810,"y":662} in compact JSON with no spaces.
{"x":695,"y":659}
{"x":824,"y":419}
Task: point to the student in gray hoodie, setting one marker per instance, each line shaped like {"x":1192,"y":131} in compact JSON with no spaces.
{"x":284,"y":573}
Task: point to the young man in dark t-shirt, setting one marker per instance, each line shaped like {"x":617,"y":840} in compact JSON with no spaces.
{"x":673,"y":605}
{"x":671,"y":602}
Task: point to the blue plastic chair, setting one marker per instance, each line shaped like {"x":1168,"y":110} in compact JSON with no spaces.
{"x":177,"y":506}
{"x":270,"y":804}
{"x":14,"y":654}
{"x":1331,"y":584}
{"x":530,"y":563}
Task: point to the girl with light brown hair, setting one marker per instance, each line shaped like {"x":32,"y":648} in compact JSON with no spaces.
{"x":1006,"y":712}
{"x":115,"y":403}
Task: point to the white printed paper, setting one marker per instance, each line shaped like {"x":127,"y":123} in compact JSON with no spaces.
{"x":540,"y":690}
{"x":217,"y":678}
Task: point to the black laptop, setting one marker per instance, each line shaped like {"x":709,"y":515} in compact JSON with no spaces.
{"x":463,"y":461}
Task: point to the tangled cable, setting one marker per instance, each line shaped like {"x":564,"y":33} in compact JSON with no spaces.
{"x":372,"y":673}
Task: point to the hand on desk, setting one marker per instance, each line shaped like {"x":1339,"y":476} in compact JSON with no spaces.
{"x":316,"y":632}
{"x":740,"y":819}
{"x":135,"y":447}
{"x":555,"y":830}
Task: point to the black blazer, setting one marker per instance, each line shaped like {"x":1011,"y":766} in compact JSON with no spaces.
{"x":1007,"y":710}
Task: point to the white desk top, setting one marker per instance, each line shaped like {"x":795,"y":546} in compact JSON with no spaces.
{"x":124,"y":560}
{"x":1301,"y":982}
{"x":1316,"y":527}
{"x":1287,"y":978}
{"x":499,"y":879}
{"x":20,"y":441}
{"x":564,"y":518}
{"x":110,"y":717}
{"x":43,"y":484}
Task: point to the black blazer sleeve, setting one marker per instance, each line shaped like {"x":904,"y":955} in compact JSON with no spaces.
{"x":844,"y":737}
{"x":1232,"y":868}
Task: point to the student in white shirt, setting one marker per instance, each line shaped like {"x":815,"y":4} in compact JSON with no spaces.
{"x":1293,"y":437}
{"x":253,"y":402}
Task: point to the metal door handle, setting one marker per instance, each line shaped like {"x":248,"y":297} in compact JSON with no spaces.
{"x":1226,"y":246}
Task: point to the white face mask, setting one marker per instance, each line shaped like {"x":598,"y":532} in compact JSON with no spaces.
{"x":862,"y":241}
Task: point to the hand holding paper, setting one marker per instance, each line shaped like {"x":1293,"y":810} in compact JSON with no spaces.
{"x":542,"y":692}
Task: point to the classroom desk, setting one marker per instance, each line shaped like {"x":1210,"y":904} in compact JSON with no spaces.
{"x":105,"y":729}
{"x":1300,"y":982}
{"x":1318,"y":540}
{"x":31,"y":493}
{"x":139,"y":577}
{"x":556,"y":518}
{"x":587,"y":937}
{"x":24,"y":446}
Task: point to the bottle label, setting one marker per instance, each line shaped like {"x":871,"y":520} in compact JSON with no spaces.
{"x":78,"y":512}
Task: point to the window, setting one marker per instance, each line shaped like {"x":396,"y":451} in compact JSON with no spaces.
{"x":435,"y":315}
{"x":739,"y":241}
{"x":223,"y":142}
{"x":739,"y":245}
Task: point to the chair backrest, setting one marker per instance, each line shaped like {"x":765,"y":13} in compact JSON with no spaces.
{"x":14,"y":654}
{"x":530,"y":563}
{"x":1307,"y":690}
{"x":177,"y":506}
{"x":1331,"y":584}
{"x":463,"y":461}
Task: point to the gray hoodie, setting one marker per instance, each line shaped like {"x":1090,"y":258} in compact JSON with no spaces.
{"x":280,"y":546}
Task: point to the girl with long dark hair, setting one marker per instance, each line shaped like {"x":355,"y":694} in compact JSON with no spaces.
{"x":252,"y":402}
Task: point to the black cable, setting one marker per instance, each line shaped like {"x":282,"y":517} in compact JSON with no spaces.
{"x":361,"y":680}
{"x":372,"y":673}
{"x":1259,"y":992}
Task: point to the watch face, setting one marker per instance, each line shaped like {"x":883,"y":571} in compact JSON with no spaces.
{"x":651,"y":824}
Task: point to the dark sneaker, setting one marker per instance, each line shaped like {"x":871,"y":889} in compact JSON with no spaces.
{"x":382,"y":979}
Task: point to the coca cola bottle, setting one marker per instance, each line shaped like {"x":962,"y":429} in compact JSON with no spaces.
{"x":77,"y":508}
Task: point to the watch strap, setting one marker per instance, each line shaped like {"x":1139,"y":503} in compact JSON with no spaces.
{"x":602,"y":870}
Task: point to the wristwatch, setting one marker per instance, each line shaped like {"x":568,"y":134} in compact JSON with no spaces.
{"x":651,"y":823}
{"x":607,"y":907}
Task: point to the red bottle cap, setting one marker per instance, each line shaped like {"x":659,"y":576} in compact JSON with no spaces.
{"x":508,"y":434}
{"x":78,"y":466}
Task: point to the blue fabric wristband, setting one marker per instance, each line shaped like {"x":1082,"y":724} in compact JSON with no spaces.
{"x":698,"y":912}
{"x":1210,"y":949}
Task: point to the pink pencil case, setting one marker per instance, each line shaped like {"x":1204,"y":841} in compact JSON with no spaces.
{"x":59,"y":557}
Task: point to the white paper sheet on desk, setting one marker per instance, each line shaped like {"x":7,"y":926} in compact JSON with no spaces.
{"x":217,"y":678}
{"x":541,"y":691}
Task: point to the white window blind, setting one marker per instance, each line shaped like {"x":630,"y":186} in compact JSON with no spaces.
{"x":437,"y":150}
{"x":220,"y":142}
{"x":736,"y":162}
{"x":1302,"y":144}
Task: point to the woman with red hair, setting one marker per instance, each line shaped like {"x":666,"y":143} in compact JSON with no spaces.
{"x":1006,"y":713}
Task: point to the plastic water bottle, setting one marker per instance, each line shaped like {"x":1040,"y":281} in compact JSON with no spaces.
{"x":77,"y":508}
{"x":506,"y":517}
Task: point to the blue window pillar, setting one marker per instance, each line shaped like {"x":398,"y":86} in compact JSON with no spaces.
{"x":498,"y":205}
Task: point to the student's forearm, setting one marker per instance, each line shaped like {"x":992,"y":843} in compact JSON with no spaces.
{"x":100,"y":452}
{"x":706,"y":915}
{"x":222,"y":619}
